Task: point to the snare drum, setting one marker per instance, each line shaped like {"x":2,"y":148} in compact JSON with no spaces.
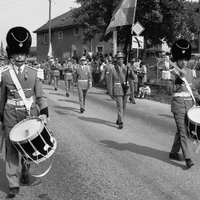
{"x":194,"y":123}
{"x":33,"y":140}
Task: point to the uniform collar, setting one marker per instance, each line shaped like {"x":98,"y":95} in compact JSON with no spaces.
{"x":16,"y":68}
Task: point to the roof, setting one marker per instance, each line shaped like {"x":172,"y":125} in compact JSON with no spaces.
{"x":63,"y":20}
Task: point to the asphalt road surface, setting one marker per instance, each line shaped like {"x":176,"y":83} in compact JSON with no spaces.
{"x":96,"y":161}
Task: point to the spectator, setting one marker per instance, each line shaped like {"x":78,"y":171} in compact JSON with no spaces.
{"x":142,"y":74}
{"x":144,"y":91}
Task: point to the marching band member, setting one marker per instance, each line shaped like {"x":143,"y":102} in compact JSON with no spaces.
{"x":106,"y":70}
{"x":55,"y":72}
{"x":182,"y":100}
{"x":118,"y":86}
{"x":83,"y":78}
{"x":12,"y":107}
{"x":68,"y":75}
{"x":74,"y":67}
{"x":133,"y":83}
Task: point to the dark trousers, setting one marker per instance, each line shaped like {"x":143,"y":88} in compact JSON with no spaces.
{"x":121,"y":107}
{"x":181,"y":139}
{"x":82,"y":96}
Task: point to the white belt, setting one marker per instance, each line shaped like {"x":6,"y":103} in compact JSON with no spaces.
{"x":182,"y":94}
{"x":82,"y":80}
{"x":121,"y":84}
{"x":68,"y":73}
{"x":18,"y":102}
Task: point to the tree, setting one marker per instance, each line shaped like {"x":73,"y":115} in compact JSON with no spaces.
{"x":162,"y":20}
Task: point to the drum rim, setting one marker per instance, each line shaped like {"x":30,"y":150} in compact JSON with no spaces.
{"x":193,"y":108}
{"x":21,"y":122}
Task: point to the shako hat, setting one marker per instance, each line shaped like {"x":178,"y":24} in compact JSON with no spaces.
{"x":119,"y":55}
{"x":18,"y":40}
{"x":181,"y":49}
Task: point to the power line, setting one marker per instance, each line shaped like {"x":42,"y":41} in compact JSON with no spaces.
{"x":15,"y":5}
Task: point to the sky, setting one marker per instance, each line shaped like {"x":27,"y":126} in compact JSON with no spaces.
{"x":30,"y":14}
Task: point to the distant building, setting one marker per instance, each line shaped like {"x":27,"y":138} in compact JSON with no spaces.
{"x":32,"y":56}
{"x":66,"y":38}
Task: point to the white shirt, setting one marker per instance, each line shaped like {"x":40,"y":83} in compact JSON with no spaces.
{"x":17,"y":68}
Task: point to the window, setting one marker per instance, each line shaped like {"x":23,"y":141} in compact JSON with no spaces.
{"x":84,"y":52}
{"x":76,"y":31}
{"x":45,"y":38}
{"x":99,"y":49}
{"x":60,"y":35}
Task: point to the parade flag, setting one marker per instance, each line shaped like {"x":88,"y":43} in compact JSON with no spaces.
{"x":50,"y":53}
{"x":124,"y":14}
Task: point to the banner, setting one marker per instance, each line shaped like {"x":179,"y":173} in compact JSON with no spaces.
{"x":50,"y":53}
{"x":124,"y":14}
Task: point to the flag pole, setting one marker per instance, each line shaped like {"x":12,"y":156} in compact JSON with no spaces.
{"x":49,"y":24}
{"x":114,"y":42}
{"x":133,"y":25}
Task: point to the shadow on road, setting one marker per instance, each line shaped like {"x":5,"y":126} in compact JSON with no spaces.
{"x":98,"y":93}
{"x":58,"y":94}
{"x":110,"y":99}
{"x":63,"y":110}
{"x":142,"y":150}
{"x":98,"y":121}
{"x":68,"y":100}
{"x":168,"y":116}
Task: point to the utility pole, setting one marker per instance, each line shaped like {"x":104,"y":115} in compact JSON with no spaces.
{"x":49,"y":23}
{"x":199,"y":33}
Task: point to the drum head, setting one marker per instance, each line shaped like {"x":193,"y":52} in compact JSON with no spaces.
{"x":194,"y":115}
{"x":26,"y":129}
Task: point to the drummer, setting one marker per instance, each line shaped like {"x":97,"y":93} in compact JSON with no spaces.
{"x":182,"y":101}
{"x":12,"y":107}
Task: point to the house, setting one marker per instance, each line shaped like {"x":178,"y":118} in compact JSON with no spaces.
{"x":32,"y":57}
{"x":66,"y":39}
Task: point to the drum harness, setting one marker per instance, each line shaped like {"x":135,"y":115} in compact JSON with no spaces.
{"x":27,"y":106}
{"x":20,"y":90}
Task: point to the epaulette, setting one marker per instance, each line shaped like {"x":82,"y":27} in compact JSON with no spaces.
{"x":3,"y":69}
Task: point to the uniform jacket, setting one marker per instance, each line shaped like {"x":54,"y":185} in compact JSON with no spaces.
{"x":55,"y":69}
{"x":116,"y":77}
{"x":182,"y":104}
{"x":83,"y":77}
{"x":68,"y":72}
{"x":106,"y":70}
{"x":32,"y":87}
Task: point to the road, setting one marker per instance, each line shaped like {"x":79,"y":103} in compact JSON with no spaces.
{"x":96,"y":161}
